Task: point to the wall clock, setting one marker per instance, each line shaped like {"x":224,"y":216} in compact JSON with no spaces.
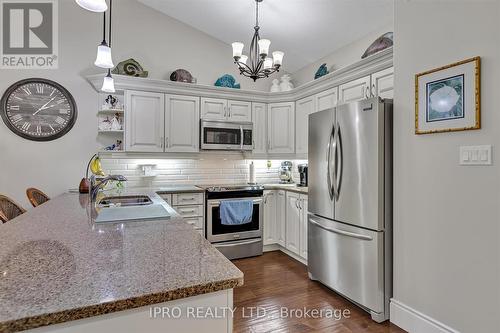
{"x":38,"y":109}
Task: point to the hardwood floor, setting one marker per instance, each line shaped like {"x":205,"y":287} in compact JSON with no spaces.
{"x":275,"y":281}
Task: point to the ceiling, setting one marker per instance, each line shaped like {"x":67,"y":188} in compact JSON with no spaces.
{"x":306,"y":30}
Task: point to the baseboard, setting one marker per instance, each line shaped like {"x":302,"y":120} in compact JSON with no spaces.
{"x":414,"y":321}
{"x":277,"y":247}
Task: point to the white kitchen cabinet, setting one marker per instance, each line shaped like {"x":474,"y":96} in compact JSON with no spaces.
{"x":144,"y":121}
{"x":259,"y":116}
{"x":281,"y":218}
{"x":270,"y":218}
{"x":303,"y":108}
{"x":239,"y":111}
{"x":355,"y":90}
{"x":281,"y":128}
{"x":327,"y":99}
{"x":293,"y":222}
{"x":225,"y":110}
{"x":383,"y":83}
{"x":213,"y":108}
{"x":303,"y":226}
{"x":275,"y":217}
{"x":182,"y":117}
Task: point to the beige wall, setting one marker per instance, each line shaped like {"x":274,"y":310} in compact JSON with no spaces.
{"x":159,"y":43}
{"x":446,"y":216}
{"x":344,"y":56}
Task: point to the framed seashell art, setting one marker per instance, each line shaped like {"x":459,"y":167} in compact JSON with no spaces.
{"x":448,"y":99}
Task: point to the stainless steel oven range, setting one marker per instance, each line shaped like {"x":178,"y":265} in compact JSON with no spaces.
{"x":235,"y":241}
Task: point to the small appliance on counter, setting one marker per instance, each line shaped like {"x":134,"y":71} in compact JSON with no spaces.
{"x":285,"y":172}
{"x":302,"y":168}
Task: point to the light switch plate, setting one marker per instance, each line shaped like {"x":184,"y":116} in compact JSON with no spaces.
{"x":475,"y":155}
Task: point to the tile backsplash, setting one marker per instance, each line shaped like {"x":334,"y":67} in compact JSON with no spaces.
{"x":213,"y":170}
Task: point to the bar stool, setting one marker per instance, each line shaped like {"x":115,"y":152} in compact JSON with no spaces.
{"x":36,"y":197}
{"x":9,"y":209}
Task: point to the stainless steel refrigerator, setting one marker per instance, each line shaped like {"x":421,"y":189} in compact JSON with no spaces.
{"x":350,"y":202}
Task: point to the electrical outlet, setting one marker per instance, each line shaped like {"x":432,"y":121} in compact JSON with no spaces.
{"x":475,"y":155}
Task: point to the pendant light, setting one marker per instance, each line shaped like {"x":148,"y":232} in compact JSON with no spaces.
{"x":104,"y":58}
{"x":98,"y":6}
{"x":108,"y":84}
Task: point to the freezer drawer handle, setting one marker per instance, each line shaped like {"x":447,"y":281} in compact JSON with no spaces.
{"x":239,"y":243}
{"x":342,"y":232}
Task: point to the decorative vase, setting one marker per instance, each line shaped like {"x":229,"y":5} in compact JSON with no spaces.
{"x":276,"y":86}
{"x":286,"y":84}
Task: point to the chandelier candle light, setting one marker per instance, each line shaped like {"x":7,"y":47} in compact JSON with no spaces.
{"x":260,"y":65}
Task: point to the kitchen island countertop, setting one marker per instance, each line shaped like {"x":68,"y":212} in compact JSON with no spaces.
{"x":57,"y":266}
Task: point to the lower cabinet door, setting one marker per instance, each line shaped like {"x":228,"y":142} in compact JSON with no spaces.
{"x":293,"y":222}
{"x":303,"y":226}
{"x":281,"y":218}
{"x":270,"y":218}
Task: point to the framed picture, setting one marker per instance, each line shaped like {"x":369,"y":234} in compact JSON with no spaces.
{"x":449,"y":98}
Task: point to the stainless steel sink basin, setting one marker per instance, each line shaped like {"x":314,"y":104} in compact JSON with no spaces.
{"x":125,"y":201}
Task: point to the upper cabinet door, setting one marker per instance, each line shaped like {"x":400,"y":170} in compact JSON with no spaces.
{"x":182,"y":119}
{"x":281,"y":128}
{"x":327,"y":99}
{"x":239,"y":111}
{"x":213,"y":109}
{"x":259,"y":116}
{"x":383,"y":83}
{"x":144,"y":121}
{"x":355,"y":90}
{"x":303,"y":108}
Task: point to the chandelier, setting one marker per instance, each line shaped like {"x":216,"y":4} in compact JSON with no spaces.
{"x":260,"y":65}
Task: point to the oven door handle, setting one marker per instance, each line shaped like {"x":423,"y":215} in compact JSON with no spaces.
{"x":241,"y":134}
{"x":239,"y":243}
{"x":216,"y":202}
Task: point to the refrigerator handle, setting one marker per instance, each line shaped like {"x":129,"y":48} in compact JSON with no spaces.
{"x":341,"y":232}
{"x":339,"y":162}
{"x":328,"y":166}
{"x":335,"y":167}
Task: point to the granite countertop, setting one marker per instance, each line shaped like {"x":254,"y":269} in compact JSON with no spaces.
{"x":179,"y":189}
{"x":286,"y":187}
{"x":57,"y":266}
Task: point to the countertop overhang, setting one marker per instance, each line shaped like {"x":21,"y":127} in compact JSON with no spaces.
{"x":57,"y":266}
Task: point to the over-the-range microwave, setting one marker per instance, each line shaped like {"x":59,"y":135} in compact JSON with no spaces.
{"x":222,"y":135}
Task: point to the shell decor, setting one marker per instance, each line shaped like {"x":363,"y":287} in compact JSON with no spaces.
{"x":383,"y":42}
{"x":130,"y":67}
{"x":181,"y":75}
{"x":322,"y":71}
{"x":227,"y":81}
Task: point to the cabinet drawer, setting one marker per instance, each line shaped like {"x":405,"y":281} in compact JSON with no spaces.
{"x":167,"y":198}
{"x":181,"y":199}
{"x":189,"y":211}
{"x":196,"y":222}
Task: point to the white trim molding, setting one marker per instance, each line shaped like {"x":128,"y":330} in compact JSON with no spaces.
{"x":414,"y":321}
{"x":372,"y":64}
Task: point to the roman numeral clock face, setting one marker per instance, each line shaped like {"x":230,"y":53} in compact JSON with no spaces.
{"x":38,"y":109}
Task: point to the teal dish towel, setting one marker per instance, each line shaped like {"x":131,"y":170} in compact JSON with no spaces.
{"x":236,"y":212}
